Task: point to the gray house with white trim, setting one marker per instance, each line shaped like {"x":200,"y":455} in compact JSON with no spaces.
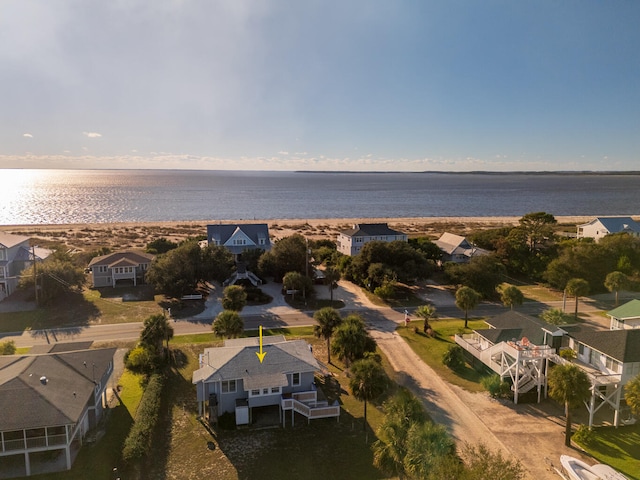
{"x":232,"y":379}
{"x":127,"y":268}
{"x":15,"y":255}
{"x":351,"y":241}
{"x":239,"y":237}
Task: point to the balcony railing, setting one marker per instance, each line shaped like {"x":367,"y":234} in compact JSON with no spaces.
{"x":33,"y":442}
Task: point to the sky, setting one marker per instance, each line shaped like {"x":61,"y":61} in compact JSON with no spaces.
{"x":358,"y":85}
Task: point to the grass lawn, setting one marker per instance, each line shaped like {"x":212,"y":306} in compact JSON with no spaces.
{"x":539,"y":293}
{"x":431,"y":350}
{"x":618,"y":447}
{"x":81,"y":309}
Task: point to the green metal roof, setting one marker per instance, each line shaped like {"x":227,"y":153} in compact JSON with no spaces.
{"x":628,"y":310}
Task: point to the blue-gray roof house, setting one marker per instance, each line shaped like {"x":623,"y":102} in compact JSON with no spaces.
{"x":602,"y":226}
{"x":233,"y":379}
{"x":239,"y":237}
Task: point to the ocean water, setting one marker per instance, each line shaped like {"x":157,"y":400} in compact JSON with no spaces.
{"x":104,"y":196}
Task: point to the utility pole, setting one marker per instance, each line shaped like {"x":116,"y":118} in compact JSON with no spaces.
{"x":306,"y":270}
{"x":35,"y":273}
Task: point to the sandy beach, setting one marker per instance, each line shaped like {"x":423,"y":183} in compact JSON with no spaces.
{"x":138,"y":234}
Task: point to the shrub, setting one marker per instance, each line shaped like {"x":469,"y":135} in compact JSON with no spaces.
{"x":567,"y":354}
{"x":555,"y":316}
{"x":496,"y":387}
{"x":584,"y":435}
{"x":140,"y":359}
{"x":8,"y":347}
{"x":386,"y":291}
{"x":138,"y":442}
{"x":454,"y":357}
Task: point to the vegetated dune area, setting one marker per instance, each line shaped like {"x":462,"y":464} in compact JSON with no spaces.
{"x":137,"y":235}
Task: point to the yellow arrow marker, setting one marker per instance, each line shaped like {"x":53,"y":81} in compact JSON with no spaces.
{"x":261,"y":354}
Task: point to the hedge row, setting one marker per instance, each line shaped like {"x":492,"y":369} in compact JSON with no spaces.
{"x":138,"y":442}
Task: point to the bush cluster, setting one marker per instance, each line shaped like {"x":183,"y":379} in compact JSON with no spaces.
{"x":496,"y":387}
{"x":138,"y":442}
{"x":454,"y":357}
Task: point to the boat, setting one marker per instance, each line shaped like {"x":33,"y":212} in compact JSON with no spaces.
{"x":607,"y":473}
{"x":576,"y":469}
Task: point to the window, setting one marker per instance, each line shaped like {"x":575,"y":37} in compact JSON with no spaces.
{"x":613,"y":365}
{"x":229,"y":386}
{"x":581,"y":349}
{"x":102,"y":269}
{"x":262,"y":242}
{"x":295,"y":379}
{"x":259,"y":392}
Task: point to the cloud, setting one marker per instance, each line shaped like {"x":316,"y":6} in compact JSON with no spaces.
{"x":92,"y":134}
{"x":27,"y":135}
{"x":283,"y":153}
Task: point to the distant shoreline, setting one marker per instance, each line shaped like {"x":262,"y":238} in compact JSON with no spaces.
{"x":483,"y":172}
{"x":384,"y":172}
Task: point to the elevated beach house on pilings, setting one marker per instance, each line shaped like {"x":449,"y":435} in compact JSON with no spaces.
{"x":120,"y":268}
{"x":610,"y":358}
{"x":523,"y":348}
{"x":231,"y":379}
{"x":238,"y":238}
{"x":351,"y":241}
{"x":48,"y":405}
{"x":517,"y":347}
{"x":16,"y":254}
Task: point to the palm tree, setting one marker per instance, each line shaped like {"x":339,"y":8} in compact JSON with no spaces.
{"x":427,"y":445}
{"x":368,"y":381}
{"x":390,"y":450}
{"x":328,"y":320}
{"x":351,"y":340}
{"x":467,"y":299}
{"x":426,"y":312}
{"x":577,"y":287}
{"x":405,"y":407}
{"x":333,"y":276}
{"x":228,"y":324}
{"x":615,"y":282}
{"x":234,"y":298}
{"x":570,"y":385}
{"x":511,"y":296}
{"x":156,"y":330}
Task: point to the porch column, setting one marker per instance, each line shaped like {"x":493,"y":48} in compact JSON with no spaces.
{"x":616,"y":414}
{"x":592,"y":403}
{"x":27,"y":464}
{"x":67,"y":452}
